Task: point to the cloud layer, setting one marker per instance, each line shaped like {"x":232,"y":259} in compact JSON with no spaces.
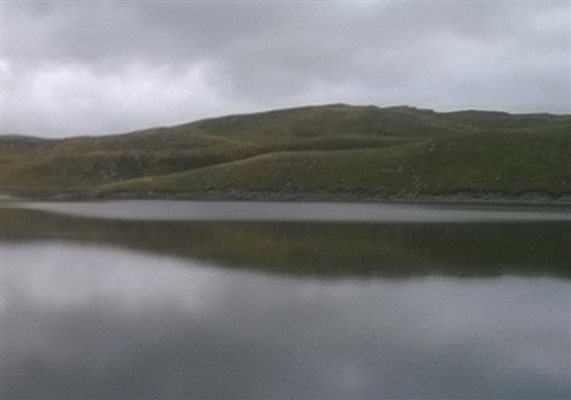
{"x":103,"y":67}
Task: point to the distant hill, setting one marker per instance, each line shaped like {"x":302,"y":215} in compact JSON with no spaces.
{"x":316,"y":151}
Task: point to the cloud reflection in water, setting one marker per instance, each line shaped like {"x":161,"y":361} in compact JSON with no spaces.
{"x":95,"y":322}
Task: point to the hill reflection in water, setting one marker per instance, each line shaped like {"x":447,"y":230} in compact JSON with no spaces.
{"x":321,"y":249}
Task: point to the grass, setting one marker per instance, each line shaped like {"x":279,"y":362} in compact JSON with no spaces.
{"x":336,"y":149}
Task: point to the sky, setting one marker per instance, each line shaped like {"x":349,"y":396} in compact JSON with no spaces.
{"x":100,"y":67}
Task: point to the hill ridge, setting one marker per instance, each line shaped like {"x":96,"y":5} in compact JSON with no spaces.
{"x":337,"y":148}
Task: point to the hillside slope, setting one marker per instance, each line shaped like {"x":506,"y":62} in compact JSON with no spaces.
{"x":332,"y":149}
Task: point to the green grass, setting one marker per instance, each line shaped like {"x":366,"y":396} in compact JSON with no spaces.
{"x":336,"y":148}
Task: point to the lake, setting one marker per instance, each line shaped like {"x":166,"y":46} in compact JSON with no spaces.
{"x":179,"y":299}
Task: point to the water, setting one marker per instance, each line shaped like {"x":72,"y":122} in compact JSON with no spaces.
{"x":169,"y":300}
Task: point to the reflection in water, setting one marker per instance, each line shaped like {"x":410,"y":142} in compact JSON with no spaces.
{"x":300,"y":211}
{"x":322,"y":249}
{"x":135,"y":309}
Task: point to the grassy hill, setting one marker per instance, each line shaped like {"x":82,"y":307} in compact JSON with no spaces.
{"x":332,"y":149}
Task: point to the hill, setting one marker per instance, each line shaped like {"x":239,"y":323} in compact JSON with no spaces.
{"x":320,"y":151}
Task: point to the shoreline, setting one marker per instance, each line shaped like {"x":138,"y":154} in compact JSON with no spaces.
{"x":452,"y":199}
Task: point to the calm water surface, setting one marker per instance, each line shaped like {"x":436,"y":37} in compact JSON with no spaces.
{"x":168,"y":300}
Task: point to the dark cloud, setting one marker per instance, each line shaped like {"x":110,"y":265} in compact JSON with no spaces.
{"x":96,"y":67}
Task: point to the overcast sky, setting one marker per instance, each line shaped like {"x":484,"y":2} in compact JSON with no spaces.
{"x":88,"y":67}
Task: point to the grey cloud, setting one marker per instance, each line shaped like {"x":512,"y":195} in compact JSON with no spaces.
{"x":120,"y":59}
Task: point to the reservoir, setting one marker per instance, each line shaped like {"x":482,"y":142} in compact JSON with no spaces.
{"x":181,"y":299}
